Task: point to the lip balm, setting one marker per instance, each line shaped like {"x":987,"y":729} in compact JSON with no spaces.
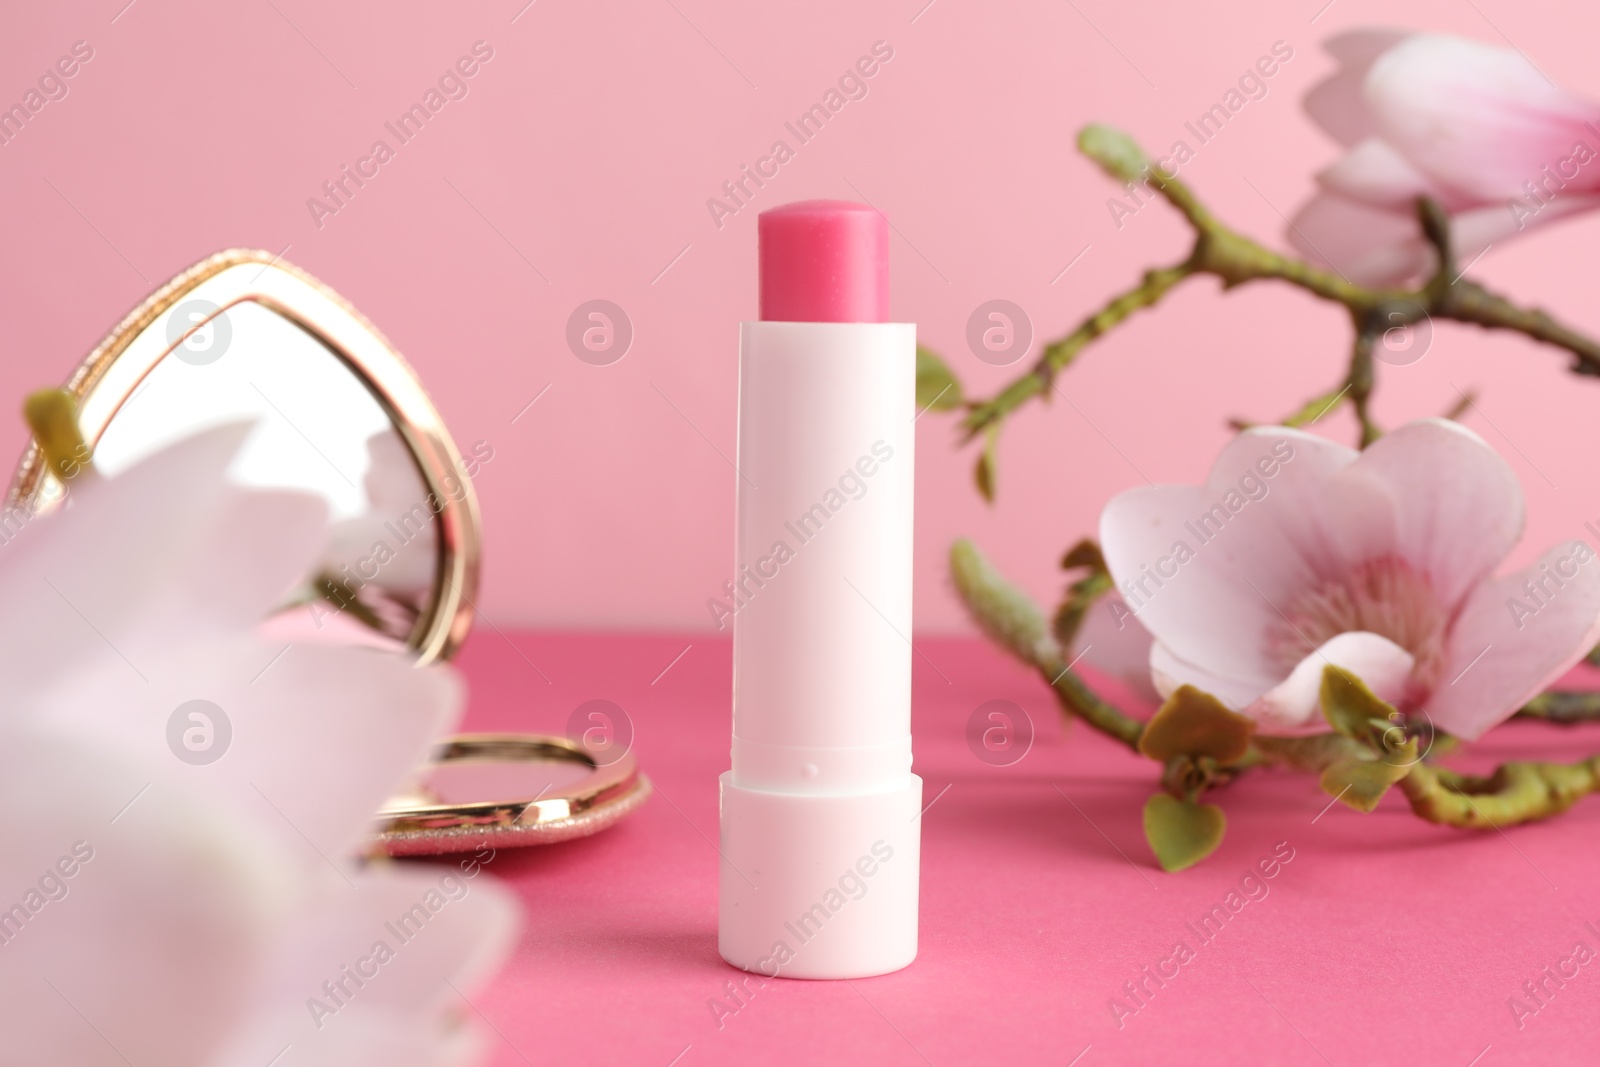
{"x":821,"y":834}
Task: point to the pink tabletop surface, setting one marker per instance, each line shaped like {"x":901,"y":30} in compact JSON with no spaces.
{"x":1382,"y":940}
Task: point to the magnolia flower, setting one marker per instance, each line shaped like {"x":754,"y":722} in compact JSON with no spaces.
{"x":1112,"y":641}
{"x":1299,"y":553}
{"x":180,"y":800}
{"x":1476,"y":127}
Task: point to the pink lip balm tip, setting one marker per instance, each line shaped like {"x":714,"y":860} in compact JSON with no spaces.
{"x":824,"y":261}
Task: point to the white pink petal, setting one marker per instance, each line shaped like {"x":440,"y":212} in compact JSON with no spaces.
{"x":1475,"y":126}
{"x":1378,"y":562}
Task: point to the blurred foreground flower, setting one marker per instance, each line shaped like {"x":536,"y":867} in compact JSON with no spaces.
{"x":1477,"y":128}
{"x":181,"y":799}
{"x":1299,"y":553}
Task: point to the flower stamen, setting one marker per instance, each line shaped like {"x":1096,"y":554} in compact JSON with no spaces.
{"x":1386,"y":596}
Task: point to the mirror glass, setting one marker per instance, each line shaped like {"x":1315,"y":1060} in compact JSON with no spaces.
{"x":318,"y":429}
{"x":502,"y":780}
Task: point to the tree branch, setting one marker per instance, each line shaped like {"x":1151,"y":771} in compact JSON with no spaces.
{"x":1563,"y":707}
{"x":1236,"y":259}
{"x":1360,"y":383}
{"x":1059,"y":354}
{"x":1515,"y":793}
{"x":1011,"y":620}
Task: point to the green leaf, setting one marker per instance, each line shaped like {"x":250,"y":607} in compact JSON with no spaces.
{"x":1195,"y":723}
{"x":1085,"y":553}
{"x":1350,"y":707}
{"x":1362,"y":783}
{"x":937,"y":388}
{"x":984,"y":473}
{"x":1182,"y":834}
{"x":1081,"y":596}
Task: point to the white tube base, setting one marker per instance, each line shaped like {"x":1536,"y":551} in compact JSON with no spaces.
{"x":819,"y":886}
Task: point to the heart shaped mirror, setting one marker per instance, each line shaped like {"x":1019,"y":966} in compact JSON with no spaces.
{"x":338,"y":413}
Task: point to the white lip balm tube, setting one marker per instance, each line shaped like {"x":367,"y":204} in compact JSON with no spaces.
{"x":821,"y":827}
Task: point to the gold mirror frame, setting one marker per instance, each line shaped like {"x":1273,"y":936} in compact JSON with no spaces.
{"x":113,"y":371}
{"x":418,"y":825}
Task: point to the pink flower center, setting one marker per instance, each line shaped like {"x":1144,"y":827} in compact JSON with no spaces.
{"x":1385,"y":596}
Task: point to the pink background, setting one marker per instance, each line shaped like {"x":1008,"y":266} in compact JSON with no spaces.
{"x":586,"y":151}
{"x":1384,"y":940}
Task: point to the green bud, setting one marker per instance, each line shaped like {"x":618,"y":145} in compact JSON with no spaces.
{"x":1118,"y":154}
